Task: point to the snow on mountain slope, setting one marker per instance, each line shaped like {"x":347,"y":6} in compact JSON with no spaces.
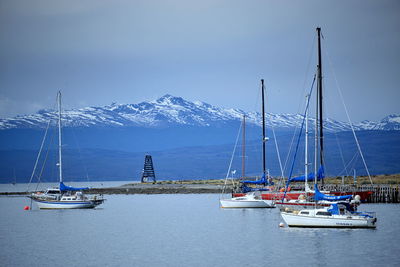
{"x":169,"y":110}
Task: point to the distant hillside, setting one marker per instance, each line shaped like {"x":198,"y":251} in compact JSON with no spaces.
{"x":188,"y":140}
{"x":381,"y":150}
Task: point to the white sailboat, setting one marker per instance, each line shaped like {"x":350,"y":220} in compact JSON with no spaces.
{"x":340,"y":214}
{"x":249,"y":200}
{"x":252,"y":199}
{"x":64,"y":197}
{"x":306,"y":199}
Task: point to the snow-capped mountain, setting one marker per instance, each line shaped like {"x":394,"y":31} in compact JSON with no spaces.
{"x":391,"y":122}
{"x":170,"y":110}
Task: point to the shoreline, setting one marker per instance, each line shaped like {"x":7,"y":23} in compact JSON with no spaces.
{"x":382,"y":193}
{"x":147,"y":189}
{"x":160,"y":189}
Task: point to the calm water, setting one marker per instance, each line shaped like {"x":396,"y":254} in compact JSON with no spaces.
{"x":185,"y":230}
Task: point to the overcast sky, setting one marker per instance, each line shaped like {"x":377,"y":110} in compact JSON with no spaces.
{"x":98,"y":52}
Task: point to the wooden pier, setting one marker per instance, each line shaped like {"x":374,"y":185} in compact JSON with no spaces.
{"x":382,"y":193}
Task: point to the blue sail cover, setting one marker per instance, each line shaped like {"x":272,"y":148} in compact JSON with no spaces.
{"x":334,"y":209}
{"x":263,"y":181}
{"x":246,"y":189}
{"x":64,"y":187}
{"x":320,"y":196}
{"x":311,"y":176}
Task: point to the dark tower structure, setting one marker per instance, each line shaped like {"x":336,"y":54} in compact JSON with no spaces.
{"x":148,"y":170}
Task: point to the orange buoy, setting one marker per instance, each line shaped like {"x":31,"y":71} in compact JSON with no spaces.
{"x":26,"y":208}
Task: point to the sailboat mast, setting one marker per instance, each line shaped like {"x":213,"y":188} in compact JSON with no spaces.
{"x":306,"y":149}
{"x":244,"y":146}
{"x":263,"y":124}
{"x":321,"y":133}
{"x":59,"y":137}
{"x":316,"y":139}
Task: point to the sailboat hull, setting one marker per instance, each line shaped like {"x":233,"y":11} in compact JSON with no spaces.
{"x":231,"y":203}
{"x":334,"y":221}
{"x":42,"y":204}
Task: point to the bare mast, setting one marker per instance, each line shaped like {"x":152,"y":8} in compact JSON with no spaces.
{"x":263,"y":126}
{"x":244,"y":147}
{"x":306,"y":187}
{"x":59,"y":137}
{"x":319,"y":94}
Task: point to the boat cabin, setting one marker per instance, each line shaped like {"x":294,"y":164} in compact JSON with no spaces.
{"x":73,"y":197}
{"x":53,"y":191}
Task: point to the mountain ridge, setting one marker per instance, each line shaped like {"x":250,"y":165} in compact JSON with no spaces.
{"x":170,"y":110}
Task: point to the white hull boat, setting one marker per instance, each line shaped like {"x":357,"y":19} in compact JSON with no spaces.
{"x":48,"y":204}
{"x":329,"y":218}
{"x":63,"y":197}
{"x":55,"y":198}
{"x":247,"y":201}
{"x":341,"y":213}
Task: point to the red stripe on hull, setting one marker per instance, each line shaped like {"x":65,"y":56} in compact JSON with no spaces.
{"x":295,"y":195}
{"x":311,"y":204}
{"x":274,"y":195}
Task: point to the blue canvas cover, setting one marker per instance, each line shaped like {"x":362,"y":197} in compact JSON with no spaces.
{"x":320,"y":196}
{"x":246,"y":189}
{"x":263,"y":181}
{"x":64,"y":187}
{"x":310,"y":177}
{"x":334,"y":210}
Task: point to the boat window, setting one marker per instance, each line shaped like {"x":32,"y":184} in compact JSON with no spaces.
{"x":325,"y":213}
{"x":304,"y":212}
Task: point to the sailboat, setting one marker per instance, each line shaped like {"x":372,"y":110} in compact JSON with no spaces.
{"x":252,"y":198}
{"x":249,"y":200}
{"x":64,"y":197}
{"x":306,"y":200}
{"x":340,"y":213}
{"x":303,"y":201}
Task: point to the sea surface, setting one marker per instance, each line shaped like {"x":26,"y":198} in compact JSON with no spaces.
{"x":185,"y":230}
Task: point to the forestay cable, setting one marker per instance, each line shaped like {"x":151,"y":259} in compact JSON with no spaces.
{"x":38,"y":156}
{"x":230,"y":163}
{"x":348,"y":118}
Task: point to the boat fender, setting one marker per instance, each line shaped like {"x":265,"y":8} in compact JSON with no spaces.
{"x":26,"y":208}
